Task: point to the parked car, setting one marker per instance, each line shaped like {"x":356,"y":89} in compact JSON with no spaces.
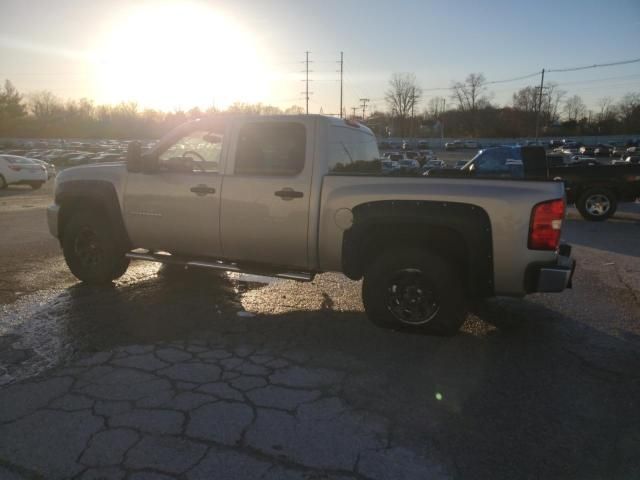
{"x":16,"y":170}
{"x":425,"y":248}
{"x":389,"y":166}
{"x":435,"y":163}
{"x":472,"y":145}
{"x":397,"y":157}
{"x":51,"y":169}
{"x":409,"y":165}
{"x":423,"y":145}
{"x":455,"y":145}
{"x":618,"y":151}
{"x":602,"y":150}
{"x":630,"y":159}
{"x":586,"y":150}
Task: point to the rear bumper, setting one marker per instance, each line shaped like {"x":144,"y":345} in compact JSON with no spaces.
{"x":551,"y":277}
{"x":52,"y":219}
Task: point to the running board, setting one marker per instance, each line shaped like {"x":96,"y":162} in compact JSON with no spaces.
{"x":228,"y":267}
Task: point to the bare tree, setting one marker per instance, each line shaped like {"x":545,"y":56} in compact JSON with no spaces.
{"x":435,"y":107}
{"x":470,"y":96}
{"x":629,"y":107}
{"x":44,"y":104}
{"x":403,"y":94}
{"x":606,"y":112}
{"x":574,"y":108}
{"x":402,"y":97}
{"x":526,"y":99}
{"x":551,"y":99}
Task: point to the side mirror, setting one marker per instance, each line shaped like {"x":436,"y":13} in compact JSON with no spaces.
{"x":134,"y":157}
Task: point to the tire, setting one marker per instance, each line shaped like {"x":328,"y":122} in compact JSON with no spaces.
{"x":90,"y":250}
{"x":597,"y":204}
{"x":3,"y":183}
{"x":36,"y":185}
{"x":426,"y":283}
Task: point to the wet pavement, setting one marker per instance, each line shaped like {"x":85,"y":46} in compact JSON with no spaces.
{"x":191,"y":374}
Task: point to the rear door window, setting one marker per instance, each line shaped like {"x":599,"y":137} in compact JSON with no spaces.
{"x":271,"y":149}
{"x":353,"y":151}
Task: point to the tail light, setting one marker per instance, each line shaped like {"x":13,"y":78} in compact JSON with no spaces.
{"x":15,"y":168}
{"x":546,"y":224}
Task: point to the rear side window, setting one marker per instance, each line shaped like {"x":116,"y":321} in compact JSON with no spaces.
{"x":352,"y":151}
{"x":271,"y":149}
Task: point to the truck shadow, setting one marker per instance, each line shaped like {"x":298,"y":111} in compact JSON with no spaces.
{"x":548,"y":397}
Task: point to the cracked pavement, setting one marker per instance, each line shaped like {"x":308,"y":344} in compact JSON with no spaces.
{"x":193,"y":375}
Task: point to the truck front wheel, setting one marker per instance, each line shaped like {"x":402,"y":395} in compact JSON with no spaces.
{"x":90,"y":249}
{"x":597,"y":204}
{"x":414,"y":289}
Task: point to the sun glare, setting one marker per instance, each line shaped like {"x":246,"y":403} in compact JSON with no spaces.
{"x":180,"y":55}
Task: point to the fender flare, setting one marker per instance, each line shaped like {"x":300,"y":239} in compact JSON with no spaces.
{"x":88,"y":194}
{"x":468,"y":222}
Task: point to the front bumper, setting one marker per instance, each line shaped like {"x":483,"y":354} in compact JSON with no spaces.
{"x":554,"y":277}
{"x":52,"y":219}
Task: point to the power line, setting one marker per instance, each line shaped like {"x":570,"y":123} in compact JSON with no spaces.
{"x":586,"y":67}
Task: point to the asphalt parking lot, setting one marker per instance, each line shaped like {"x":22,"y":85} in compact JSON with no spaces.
{"x":187,"y":374}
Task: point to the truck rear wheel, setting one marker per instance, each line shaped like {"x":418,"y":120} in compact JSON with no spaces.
{"x":416,"y":290}
{"x":90,"y":249}
{"x":597,"y":204}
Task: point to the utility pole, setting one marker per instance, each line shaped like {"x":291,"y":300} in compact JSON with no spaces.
{"x":353,"y":115}
{"x":364,"y":106}
{"x":341,"y":73}
{"x":539,"y":104}
{"x":307,"y":80}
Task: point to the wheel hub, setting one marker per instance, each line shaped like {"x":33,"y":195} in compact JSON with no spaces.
{"x":411,"y":297}
{"x":598,"y":204}
{"x":87,"y":248}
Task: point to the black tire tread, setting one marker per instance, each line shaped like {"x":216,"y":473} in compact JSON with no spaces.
{"x":115,"y":264}
{"x":446,"y":277}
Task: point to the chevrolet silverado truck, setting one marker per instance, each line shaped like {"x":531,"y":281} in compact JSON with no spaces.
{"x":293,"y":196}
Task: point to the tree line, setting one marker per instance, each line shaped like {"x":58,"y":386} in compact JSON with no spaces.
{"x":466,"y":112}
{"x":471,"y":113}
{"x":43,"y":115}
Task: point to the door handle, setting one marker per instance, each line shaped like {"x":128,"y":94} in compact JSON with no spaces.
{"x":288,"y":194}
{"x":202,"y":190}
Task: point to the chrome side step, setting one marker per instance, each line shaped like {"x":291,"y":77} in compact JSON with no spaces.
{"x":229,"y":267}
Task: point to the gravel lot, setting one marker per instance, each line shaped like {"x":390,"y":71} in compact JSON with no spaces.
{"x":173,"y":374}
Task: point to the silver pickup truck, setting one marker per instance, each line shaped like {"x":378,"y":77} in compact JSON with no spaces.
{"x":292,"y":196}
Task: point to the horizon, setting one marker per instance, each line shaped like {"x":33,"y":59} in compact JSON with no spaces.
{"x":112,"y":52}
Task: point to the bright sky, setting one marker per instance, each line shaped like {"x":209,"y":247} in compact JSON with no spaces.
{"x":179,"y":54}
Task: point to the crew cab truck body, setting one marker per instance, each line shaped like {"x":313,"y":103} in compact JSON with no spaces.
{"x":292,"y":196}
